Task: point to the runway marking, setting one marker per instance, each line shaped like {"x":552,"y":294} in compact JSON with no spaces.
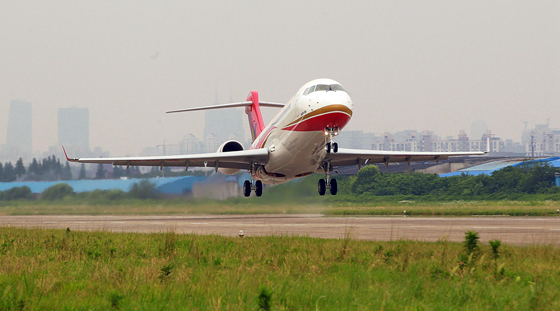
{"x":199,"y":223}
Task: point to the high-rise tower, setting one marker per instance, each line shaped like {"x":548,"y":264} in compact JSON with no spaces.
{"x":19,"y":138}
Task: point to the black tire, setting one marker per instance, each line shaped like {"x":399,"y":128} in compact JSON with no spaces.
{"x":247,"y":188}
{"x":258,"y":188}
{"x":328,"y":146}
{"x":334,"y":187}
{"x":335,"y":147}
{"x":322,"y":187}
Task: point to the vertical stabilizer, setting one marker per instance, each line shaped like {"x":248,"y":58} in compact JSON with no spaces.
{"x":256,"y":123}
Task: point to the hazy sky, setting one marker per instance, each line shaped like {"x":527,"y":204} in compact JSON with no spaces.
{"x":436,"y":65}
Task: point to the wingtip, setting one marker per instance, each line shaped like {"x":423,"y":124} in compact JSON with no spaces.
{"x":66,"y":155}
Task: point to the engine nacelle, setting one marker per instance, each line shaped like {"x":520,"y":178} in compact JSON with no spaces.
{"x":229,"y":146}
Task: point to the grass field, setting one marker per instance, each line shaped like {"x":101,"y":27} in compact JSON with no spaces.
{"x":63,"y":270}
{"x":275,"y":206}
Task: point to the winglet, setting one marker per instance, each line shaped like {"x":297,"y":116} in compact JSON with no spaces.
{"x":487,"y":145}
{"x":67,"y":158}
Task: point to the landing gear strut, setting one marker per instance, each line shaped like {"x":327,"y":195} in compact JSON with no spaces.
{"x":325,"y":184}
{"x":331,"y":132}
{"x":250,"y":185}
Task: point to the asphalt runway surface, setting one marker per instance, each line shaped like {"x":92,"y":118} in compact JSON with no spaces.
{"x":511,"y":230}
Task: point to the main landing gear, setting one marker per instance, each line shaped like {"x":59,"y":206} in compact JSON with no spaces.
{"x":248,"y":186}
{"x":332,"y":186}
{"x":325,"y":184}
{"x":252,"y":185}
{"x":331,"y":132}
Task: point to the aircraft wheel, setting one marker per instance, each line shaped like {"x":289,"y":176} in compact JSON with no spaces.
{"x":322,"y":187}
{"x":247,"y":188}
{"x":258,"y":188}
{"x":328,"y":147}
{"x":334,"y":187}
{"x":335,"y":147}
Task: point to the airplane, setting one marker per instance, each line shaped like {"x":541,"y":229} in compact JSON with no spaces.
{"x":298,"y":142}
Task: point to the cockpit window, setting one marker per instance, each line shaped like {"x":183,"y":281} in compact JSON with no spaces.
{"x":337,"y":87}
{"x":324,"y":87}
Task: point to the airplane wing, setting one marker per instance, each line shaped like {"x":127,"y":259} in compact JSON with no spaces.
{"x":359,"y":157}
{"x":234,"y":159}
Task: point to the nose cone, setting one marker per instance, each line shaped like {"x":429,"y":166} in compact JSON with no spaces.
{"x":331,"y":110}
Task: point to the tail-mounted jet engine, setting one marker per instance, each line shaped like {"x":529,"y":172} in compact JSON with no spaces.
{"x":228,"y":146}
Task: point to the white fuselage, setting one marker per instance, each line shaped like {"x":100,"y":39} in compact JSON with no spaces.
{"x":296,"y":137}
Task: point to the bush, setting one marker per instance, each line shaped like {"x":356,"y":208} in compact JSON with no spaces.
{"x":144,"y":190}
{"x":57,"y":192}
{"x":16,"y":193}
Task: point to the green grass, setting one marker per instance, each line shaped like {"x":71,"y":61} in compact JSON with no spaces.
{"x":263,"y":205}
{"x":451,"y":208}
{"x":66,"y":270}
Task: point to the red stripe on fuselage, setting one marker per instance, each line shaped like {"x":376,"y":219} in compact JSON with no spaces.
{"x":318,"y":123}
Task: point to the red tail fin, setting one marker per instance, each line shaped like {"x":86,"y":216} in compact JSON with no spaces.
{"x":254,"y":112}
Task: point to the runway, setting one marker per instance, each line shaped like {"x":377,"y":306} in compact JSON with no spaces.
{"x":511,"y":230}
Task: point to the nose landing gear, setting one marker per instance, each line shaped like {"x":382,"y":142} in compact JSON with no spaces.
{"x":330,"y":133}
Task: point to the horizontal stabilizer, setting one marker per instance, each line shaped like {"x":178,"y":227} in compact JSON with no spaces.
{"x":230,"y":105}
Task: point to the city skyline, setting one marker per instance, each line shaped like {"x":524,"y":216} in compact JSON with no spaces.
{"x":78,"y":119}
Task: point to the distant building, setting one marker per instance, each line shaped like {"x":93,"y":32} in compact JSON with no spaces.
{"x":541,"y":141}
{"x":190,"y":145}
{"x":355,"y":139}
{"x":212,"y":143}
{"x":427,"y":141}
{"x":73,"y":128}
{"x":19,"y":141}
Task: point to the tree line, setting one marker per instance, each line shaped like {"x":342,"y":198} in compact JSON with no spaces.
{"x":509,"y":182}
{"x":51,"y":169}
{"x":140,"y":190}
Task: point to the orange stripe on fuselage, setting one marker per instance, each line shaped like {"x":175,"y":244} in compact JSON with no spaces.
{"x":329,"y":116}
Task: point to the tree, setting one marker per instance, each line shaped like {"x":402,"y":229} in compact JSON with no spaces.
{"x":1,"y":172}
{"x":20,"y":169}
{"x":16,"y":193}
{"x":34,"y":168}
{"x":144,"y":190}
{"x":117,"y":172}
{"x":57,"y":192}
{"x":66,"y":173}
{"x":100,"y":173}
{"x":367,"y":179}
{"x":9,"y":174}
{"x":82,"y":172}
